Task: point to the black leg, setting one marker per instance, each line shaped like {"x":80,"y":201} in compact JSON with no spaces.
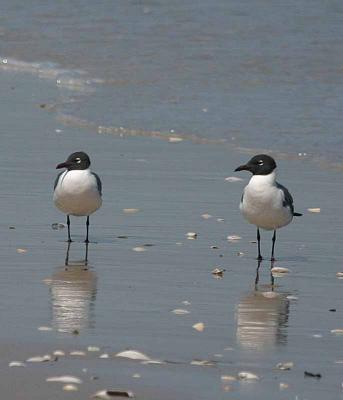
{"x":87,"y":226}
{"x":86,"y":256}
{"x":68,"y":223}
{"x":66,"y":262}
{"x":273,"y":240}
{"x":259,"y":257}
{"x":257,"y":274}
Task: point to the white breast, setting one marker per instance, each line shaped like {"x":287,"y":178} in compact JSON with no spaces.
{"x":262,"y":203}
{"x":76,"y":193}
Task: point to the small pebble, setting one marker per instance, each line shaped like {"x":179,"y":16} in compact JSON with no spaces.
{"x":59,"y":353}
{"x":180,"y":311}
{"x":339,"y":275}
{"x":220,"y":219}
{"x":191,"y":235}
{"x":337,"y":331}
{"x":130,"y":210}
{"x":200,"y":326}
{"x":206,"y":216}
{"x":308,"y":374}
{"x":174,"y":139}
{"x":228,"y":378}
{"x":240,"y":253}
{"x":279,"y":271}
{"x":202,"y":363}
{"x":110,"y":394}
{"x":44,"y":328}
{"x":214,"y":247}
{"x":136,"y":375}
{"x":105,"y":355}
{"x":283,"y":386}
{"x":20,"y":251}
{"x":186,"y":303}
{"x":314,"y":210}
{"x":290,"y":297}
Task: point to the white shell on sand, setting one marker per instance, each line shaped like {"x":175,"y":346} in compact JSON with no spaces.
{"x":279,"y":270}
{"x":110,"y":394}
{"x":46,"y":357}
{"x":130,"y":210}
{"x":70,"y":388}
{"x":105,"y":355}
{"x":21,"y":251}
{"x":283,"y":386}
{"x":136,"y":376}
{"x":285,"y":366}
{"x":218,"y":271}
{"x":16,"y":364}
{"x":44,"y":328}
{"x":206,"y":216}
{"x":202,"y":363}
{"x":77,"y":353}
{"x":314,"y":210}
{"x":246,"y":375}
{"x":180,"y":311}
{"x":270,"y":295}
{"x":59,"y":353}
{"x":232,"y":238}
{"x":93,"y":348}
{"x":175,"y":139}
{"x":337,"y":331}
{"x":139,"y":248}
{"x":228,"y":378}
{"x":186,"y":302}
{"x":200,"y":326}
{"x":339,"y":275}
{"x":64,"y":379}
{"x":133,"y":355}
{"x":191,"y":235}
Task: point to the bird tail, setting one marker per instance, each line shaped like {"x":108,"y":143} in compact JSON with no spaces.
{"x":297,"y":214}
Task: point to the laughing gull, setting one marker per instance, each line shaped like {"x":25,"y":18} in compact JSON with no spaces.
{"x":77,"y":190}
{"x":265,"y":203}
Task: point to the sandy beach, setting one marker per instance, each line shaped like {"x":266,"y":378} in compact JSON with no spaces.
{"x":154,"y":193}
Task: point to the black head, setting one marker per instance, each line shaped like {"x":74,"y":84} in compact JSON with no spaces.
{"x":78,"y":160}
{"x":262,"y":164}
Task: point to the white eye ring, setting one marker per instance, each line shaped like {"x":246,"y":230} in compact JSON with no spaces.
{"x":260,"y":162}
{"x":78,"y":160}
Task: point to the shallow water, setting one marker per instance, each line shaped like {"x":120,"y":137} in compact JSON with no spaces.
{"x":125,"y":299}
{"x":260,"y":75}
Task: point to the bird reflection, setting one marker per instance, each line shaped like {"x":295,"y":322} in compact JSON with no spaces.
{"x":73,"y":292}
{"x":262,"y":317}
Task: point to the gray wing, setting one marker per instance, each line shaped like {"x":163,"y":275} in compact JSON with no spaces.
{"x":287,"y":197}
{"x":57,"y":178}
{"x":98,"y":182}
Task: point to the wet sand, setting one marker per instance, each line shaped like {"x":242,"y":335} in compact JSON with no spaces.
{"x":126,"y":298}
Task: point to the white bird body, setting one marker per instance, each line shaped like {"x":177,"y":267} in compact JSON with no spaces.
{"x":263,"y":203}
{"x":77,"y":193}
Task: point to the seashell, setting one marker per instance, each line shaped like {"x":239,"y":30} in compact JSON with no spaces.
{"x":157,"y":362}
{"x":279,"y":270}
{"x":180,"y":311}
{"x":186,"y":303}
{"x":290,"y":297}
{"x":314,"y":210}
{"x":203,"y":363}
{"x":133,"y":355}
{"x":175,"y":139}
{"x":136,"y":375}
{"x":200,"y":326}
{"x":139,"y":248}
{"x":218,"y":271}
{"x":228,"y":378}
{"x":130,"y":210}
{"x":59,"y":353}
{"x":45,"y":358}
{"x":16,"y":364}
{"x":283,"y":386}
{"x":245,"y":375}
{"x":337,"y":331}
{"x":105,"y":355}
{"x":285,"y":366}
{"x":21,"y":251}
{"x":206,"y":216}
{"x":77,"y":353}
{"x":233,"y":179}
{"x":232,"y":238}
{"x":44,"y":328}
{"x":110,"y":394}
{"x":220,"y":219}
{"x":191,"y":235}
{"x":93,"y":348}
{"x":70,"y":388}
{"x":339,"y":275}
{"x":270,"y":295}
{"x":64,"y":379}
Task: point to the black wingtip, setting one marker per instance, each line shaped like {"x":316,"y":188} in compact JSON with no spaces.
{"x":297,"y":214}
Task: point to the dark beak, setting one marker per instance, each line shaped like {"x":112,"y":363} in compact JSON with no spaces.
{"x":245,"y":167}
{"x":65,"y":164}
